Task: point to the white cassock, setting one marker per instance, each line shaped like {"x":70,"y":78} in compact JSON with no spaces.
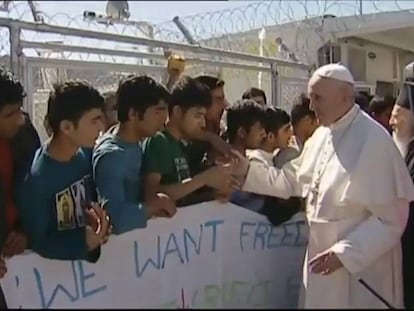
{"x":359,"y":211}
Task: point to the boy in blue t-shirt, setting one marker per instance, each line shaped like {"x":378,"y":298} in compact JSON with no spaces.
{"x":55,"y":200}
{"x":142,"y":111}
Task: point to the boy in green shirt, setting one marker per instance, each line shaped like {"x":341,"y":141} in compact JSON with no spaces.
{"x":165,"y":164}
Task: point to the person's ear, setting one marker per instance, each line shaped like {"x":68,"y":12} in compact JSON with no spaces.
{"x":241,"y":132}
{"x":66,"y":127}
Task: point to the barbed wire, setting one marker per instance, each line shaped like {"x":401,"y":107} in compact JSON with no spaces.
{"x":231,"y":29}
{"x":217,"y":29}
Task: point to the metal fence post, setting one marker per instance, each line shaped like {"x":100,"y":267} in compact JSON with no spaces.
{"x":275,"y":85}
{"x":15,"y":51}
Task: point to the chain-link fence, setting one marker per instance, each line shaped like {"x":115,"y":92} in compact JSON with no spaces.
{"x":229,"y":30}
{"x":4,"y":47}
{"x":104,"y":58}
{"x":41,"y":77}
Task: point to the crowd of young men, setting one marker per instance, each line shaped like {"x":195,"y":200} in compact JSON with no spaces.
{"x":114,"y":161}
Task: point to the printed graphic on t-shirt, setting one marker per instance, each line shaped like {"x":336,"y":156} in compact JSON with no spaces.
{"x":182,"y":168}
{"x":65,"y":210}
{"x":70,"y":205}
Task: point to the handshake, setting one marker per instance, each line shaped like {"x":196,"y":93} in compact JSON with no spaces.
{"x":224,"y":177}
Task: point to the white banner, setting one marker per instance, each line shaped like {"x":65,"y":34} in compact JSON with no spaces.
{"x":208,"y":256}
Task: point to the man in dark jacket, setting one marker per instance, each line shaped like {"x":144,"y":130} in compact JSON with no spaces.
{"x":18,"y":143}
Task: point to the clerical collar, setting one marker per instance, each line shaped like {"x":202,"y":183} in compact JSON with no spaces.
{"x":343,"y":122}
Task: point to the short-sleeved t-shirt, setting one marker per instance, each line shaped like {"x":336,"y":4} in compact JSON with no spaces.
{"x":196,"y":152}
{"x":165,"y":155}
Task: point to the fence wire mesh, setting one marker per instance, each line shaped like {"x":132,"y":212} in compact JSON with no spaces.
{"x":222,"y":29}
{"x":232,"y":29}
{"x":4,"y":47}
{"x":42,"y":78}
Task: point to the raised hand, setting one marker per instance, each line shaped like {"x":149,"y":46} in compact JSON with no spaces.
{"x":221,"y":177}
{"x":98,"y":228}
{"x":240,"y":165}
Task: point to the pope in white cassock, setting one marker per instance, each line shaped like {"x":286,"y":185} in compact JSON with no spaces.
{"x":358,"y":190}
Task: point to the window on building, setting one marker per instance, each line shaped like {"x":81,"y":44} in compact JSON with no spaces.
{"x":328,"y":54}
{"x":357,"y":63}
{"x":384,"y":88}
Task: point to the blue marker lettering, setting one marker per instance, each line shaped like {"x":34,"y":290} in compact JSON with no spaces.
{"x":301,"y":239}
{"x":260,"y":234}
{"x":187,"y":238}
{"x":46,"y":304}
{"x":273,"y":238}
{"x":83,"y":277}
{"x":214,"y":223}
{"x":156,"y":262}
{"x":289,"y":238}
{"x":173,"y":242}
{"x":243,"y":233}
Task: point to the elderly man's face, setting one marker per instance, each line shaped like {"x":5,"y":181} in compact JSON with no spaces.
{"x":328,"y":99}
{"x":402,"y":124}
{"x":402,"y":121}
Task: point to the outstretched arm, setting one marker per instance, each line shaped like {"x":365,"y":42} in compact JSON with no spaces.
{"x":268,"y":180}
{"x":261,"y":178}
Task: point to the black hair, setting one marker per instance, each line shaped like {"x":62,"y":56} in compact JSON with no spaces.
{"x":242,"y":114}
{"x":139,"y":93}
{"x":11,"y":90}
{"x":188,"y":93}
{"x":367,"y":95}
{"x":254,"y":92}
{"x":301,"y":109}
{"x":380,"y":104}
{"x":70,"y":101}
{"x":211,"y":82}
{"x":275,"y":119}
{"x":362,"y":101}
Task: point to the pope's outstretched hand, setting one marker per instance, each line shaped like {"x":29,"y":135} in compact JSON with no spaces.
{"x":240,"y":165}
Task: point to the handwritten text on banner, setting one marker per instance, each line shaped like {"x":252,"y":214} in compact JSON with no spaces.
{"x":209,"y":256}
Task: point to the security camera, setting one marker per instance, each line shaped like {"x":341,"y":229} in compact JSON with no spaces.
{"x":89,"y":15}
